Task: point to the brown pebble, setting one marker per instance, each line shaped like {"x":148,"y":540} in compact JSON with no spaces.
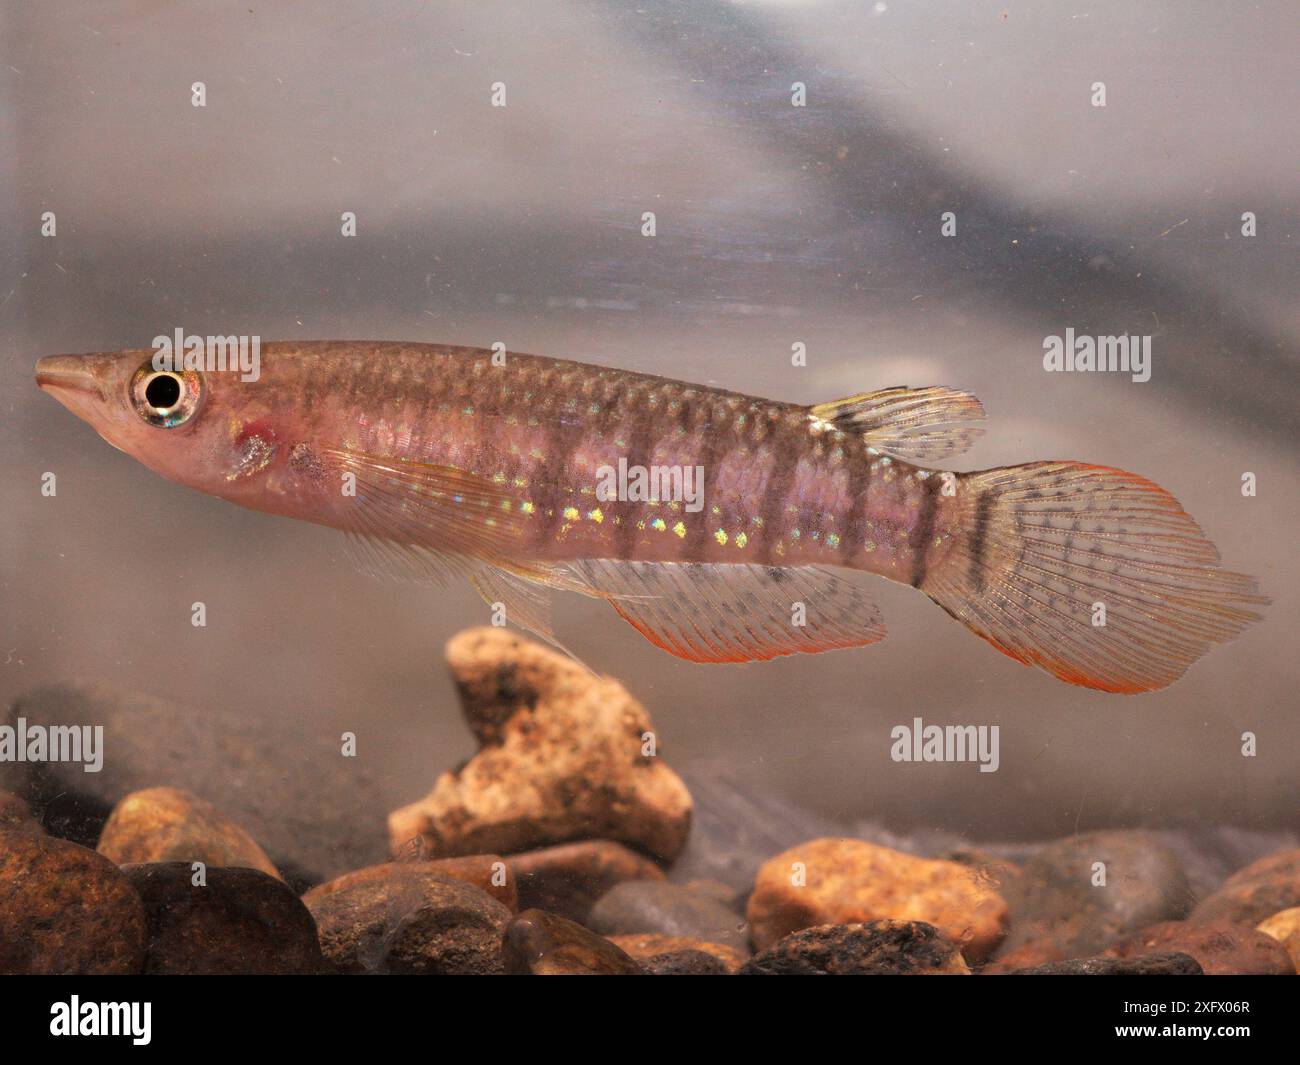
{"x":241,"y":921}
{"x":1256,"y":892}
{"x":487,"y":872}
{"x":686,"y":963}
{"x":1143,"y":965}
{"x":646,"y":945}
{"x":65,"y":910}
{"x":562,"y":758}
{"x":1222,"y":948}
{"x":845,"y":881}
{"x":401,"y":918}
{"x":568,"y":879}
{"x":900,"y":948}
{"x":173,"y":825}
{"x":1285,"y":928}
{"x":542,"y":944}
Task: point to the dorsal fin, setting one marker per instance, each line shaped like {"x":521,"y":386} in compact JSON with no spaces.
{"x":912,"y":424}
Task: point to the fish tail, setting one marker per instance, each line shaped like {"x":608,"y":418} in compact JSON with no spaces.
{"x":1094,"y":574}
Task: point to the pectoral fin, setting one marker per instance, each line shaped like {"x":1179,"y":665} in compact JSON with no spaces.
{"x":441,"y":509}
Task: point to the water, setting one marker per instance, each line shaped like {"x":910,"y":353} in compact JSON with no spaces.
{"x":776,"y":225}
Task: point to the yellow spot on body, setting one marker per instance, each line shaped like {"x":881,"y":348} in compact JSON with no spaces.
{"x":832,"y":539}
{"x":596,"y":515}
{"x":741,"y":539}
{"x":680,"y":528}
{"x":721,"y":537}
{"x":571,"y":513}
{"x":659,"y":525}
{"x":528,"y":508}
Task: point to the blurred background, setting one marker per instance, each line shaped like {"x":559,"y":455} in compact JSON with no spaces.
{"x":775,"y":225}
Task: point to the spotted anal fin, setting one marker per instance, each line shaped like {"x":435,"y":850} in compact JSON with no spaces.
{"x":734,"y":613}
{"x":912,"y":424}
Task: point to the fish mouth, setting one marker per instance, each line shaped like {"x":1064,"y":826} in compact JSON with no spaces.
{"x":66,"y":373}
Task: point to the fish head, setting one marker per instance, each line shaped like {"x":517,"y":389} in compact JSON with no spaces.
{"x":211,"y":431}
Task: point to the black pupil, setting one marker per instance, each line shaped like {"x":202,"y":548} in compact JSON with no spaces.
{"x":162,"y":391}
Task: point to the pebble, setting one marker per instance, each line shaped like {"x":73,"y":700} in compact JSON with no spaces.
{"x":543,"y":944}
{"x":1221,"y":948}
{"x":402,"y":918}
{"x":65,"y":910}
{"x":171,"y":824}
{"x":568,"y":879}
{"x":1059,"y":913}
{"x":901,"y":948}
{"x":645,"y":946}
{"x":670,"y":910}
{"x":1285,"y":928}
{"x":844,"y":881}
{"x":1172,"y":964}
{"x":1258,"y":891}
{"x":487,"y":872}
{"x":686,"y":963}
{"x":242,"y":921}
{"x":561,"y":758}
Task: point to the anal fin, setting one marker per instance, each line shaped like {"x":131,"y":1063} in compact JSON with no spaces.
{"x":734,"y":613}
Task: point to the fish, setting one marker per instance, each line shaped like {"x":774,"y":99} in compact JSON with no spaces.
{"x":724,"y":527}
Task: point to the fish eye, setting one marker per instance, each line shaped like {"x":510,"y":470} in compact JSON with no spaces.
{"x":165,"y":398}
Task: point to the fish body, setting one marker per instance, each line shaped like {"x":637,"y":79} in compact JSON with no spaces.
{"x":714,"y":522}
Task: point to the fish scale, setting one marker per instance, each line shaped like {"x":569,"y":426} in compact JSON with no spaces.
{"x":440,"y":460}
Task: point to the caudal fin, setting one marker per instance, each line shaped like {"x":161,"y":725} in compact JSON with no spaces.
{"x":1094,"y":574}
